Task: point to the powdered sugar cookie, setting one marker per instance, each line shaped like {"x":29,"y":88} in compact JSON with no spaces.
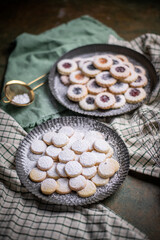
{"x":119,"y":88}
{"x":122,"y":58}
{"x":73,"y":169}
{"x":140,"y":70}
{"x":89,"y":172}
{"x":104,"y":79}
{"x":88,"y":103}
{"x":115,"y":162}
{"x":119,"y":71}
{"x":38,"y":146}
{"x":141,"y":81}
{"x":60,"y":168}
{"x":100,"y":157}
{"x":83,"y":61}
{"x":47,"y":137}
{"x":101,"y":145}
{"x":66,"y":156}
{"x":88,"y":191}
{"x":94,"y":88}
{"x":105,"y":100}
{"x":106,"y":169}
{"x":67,"y":130}
{"x":135,"y":95}
{"x":77,"y":183}
{"x":89,"y":69}
{"x":99,"y":181}
{"x":77,"y":92}
{"x":63,"y":186}
{"x":78,"y":135}
{"x":60,"y":139}
{"x":80,"y":146}
{"x":65,"y":80}
{"x":131,"y":78}
{"x":120,"y":101}
{"x":45,"y":163}
{"x":88,"y":159}
{"x":36,"y":175}
{"x":109,"y":154}
{"x":53,"y":152}
{"x":48,"y":186}
{"x":52,"y":173}
{"x":78,"y":77}
{"x":93,"y":134}
{"x":102,"y":62}
{"x":66,"y":66}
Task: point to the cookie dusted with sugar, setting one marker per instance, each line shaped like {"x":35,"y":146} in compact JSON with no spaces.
{"x":122,"y":57}
{"x":99,"y":181}
{"x":115,"y":60}
{"x":89,"y":172}
{"x":66,"y":155}
{"x":78,"y":77}
{"x":52,"y":173}
{"x":76,"y":92}
{"x":105,"y":100}
{"x":131,"y":78}
{"x":36,"y":175}
{"x":60,"y":139}
{"x":67,"y":130}
{"x":94,"y":88}
{"x":135,"y":95}
{"x":106,"y":169}
{"x":48,"y":186}
{"x":66,"y":66}
{"x":120,"y":101}
{"x":73,"y":169}
{"x":47,"y":137}
{"x":38,"y":146}
{"x":88,"y":103}
{"x":139,"y":70}
{"x":119,"y":71}
{"x":100,"y":157}
{"x":88,"y":191}
{"x":65,"y":80}
{"x":90,"y":70}
{"x":45,"y":163}
{"x":77,"y":183}
{"x":63,"y":186}
{"x":102,"y":62}
{"x":104,"y":79}
{"x":101,"y":145}
{"x":53,"y":152}
{"x":118,"y":88}
{"x":141,"y":81}
{"x":60,"y":168}
{"x":88,"y":159}
{"x":80,"y":146}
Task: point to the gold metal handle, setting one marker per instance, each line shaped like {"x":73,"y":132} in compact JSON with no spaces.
{"x":5,"y":101}
{"x":38,"y":86}
{"x":35,"y":80}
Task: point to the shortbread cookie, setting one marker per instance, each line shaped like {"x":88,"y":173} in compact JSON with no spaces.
{"x":83,"y":61}
{"x":94,"y":88}
{"x":67,"y":130}
{"x":119,"y":88}
{"x":53,"y":152}
{"x":120,"y":101}
{"x":78,"y":135}
{"x":77,"y":183}
{"x":47,"y":137}
{"x":88,"y":159}
{"x":60,"y":139}
{"x":66,"y":156}
{"x":36,"y":175}
{"x":115,"y":60}
{"x":65,"y":80}
{"x":119,"y":71}
{"x":105,"y":100}
{"x":89,"y":172}
{"x":100,"y":157}
{"x":141,"y":81}
{"x":73,"y":169}
{"x":89,"y":69}
{"x":135,"y":95}
{"x":131,"y":78}
{"x":80,"y":146}
{"x":88,"y":103}
{"x":115,"y":162}
{"x":52,"y":173}
{"x":140,"y":70}
{"x":38,"y":146}
{"x":60,"y":168}
{"x":104,"y":79}
{"x":66,"y":66}
{"x":48,"y":186}
{"x":63,"y":186}
{"x":88,"y":191}
{"x":106,"y":169}
{"x":93,"y":134}
{"x":101,"y":145}
{"x":99,"y":181}
{"x":77,"y":92}
{"x":122,"y":58}
{"x":110,"y":153}
{"x":102,"y":62}
{"x":44,"y":163}
{"x":78,"y":77}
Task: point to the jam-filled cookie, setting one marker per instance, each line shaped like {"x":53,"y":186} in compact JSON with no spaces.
{"x":135,"y":95}
{"x":88,"y":103}
{"x":66,"y":66}
{"x":131,"y":78}
{"x":102,"y":62}
{"x":94,"y":88}
{"x":83,"y":61}
{"x":90,"y":70}
{"x":105,"y":79}
{"x":105,"y":100}
{"x":78,"y":77}
{"x":115,"y":60}
{"x":122,"y":58}
{"x":139,"y":70}
{"x":76,"y":92}
{"x":119,"y":71}
{"x":120,"y":101}
{"x":129,"y":65}
{"x":141,"y":81}
{"x":118,"y":88}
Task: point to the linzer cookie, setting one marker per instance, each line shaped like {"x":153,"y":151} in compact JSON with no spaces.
{"x":102,"y":62}
{"x":140,"y":70}
{"x":90,"y":70}
{"x":115,"y":60}
{"x":118,"y":88}
{"x":131,"y":78}
{"x":104,"y":79}
{"x":66,"y":66}
{"x":94,"y":88}
{"x":78,"y":77}
{"x":135,"y":95}
{"x":141,"y":81}
{"x":83,"y":61}
{"x":119,"y":71}
{"x":105,"y":100}
{"x":76,"y":92}
{"x":122,"y":58}
{"x":88,"y":103}
{"x":120,"y":101}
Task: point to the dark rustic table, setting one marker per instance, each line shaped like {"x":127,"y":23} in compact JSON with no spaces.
{"x":137,"y":200}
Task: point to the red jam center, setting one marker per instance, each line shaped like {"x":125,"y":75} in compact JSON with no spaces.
{"x":134,"y":92}
{"x":120,"y":69}
{"x":104,"y":98}
{"x":67,"y":65}
{"x":79,"y":76}
{"x":102,"y":60}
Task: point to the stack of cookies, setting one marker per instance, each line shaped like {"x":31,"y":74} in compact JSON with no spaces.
{"x":103,"y":81}
{"x":72,"y":160}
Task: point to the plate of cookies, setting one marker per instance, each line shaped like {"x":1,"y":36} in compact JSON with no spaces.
{"x":102,"y":80}
{"x":72,"y":161}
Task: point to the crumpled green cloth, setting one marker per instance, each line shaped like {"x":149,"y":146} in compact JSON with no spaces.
{"x":34,"y":55}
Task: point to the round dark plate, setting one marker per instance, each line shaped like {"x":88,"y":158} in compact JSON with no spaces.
{"x":25,"y":160}
{"x":59,"y":90}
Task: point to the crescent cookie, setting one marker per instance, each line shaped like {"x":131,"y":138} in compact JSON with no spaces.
{"x":131,"y":78}
{"x":88,"y":103}
{"x":73,"y":169}
{"x":66,"y":66}
{"x":76,"y":92}
{"x":94,"y":88}
{"x":88,"y":191}
{"x":102,"y":62}
{"x":77,"y":183}
{"x":88,"y":159}
{"x":48,"y":186}
{"x":66,"y":156}
{"x":80,"y":146}
{"x":118,"y":88}
{"x":104,"y":79}
{"x":140,"y":70}
{"x":99,"y":181}
{"x":89,"y":172}
{"x":60,"y":139}
{"x":101,"y":145}
{"x":120,"y":101}
{"x":141,"y":81}
{"x":52,"y":173}
{"x":135,"y":95}
{"x":53,"y":152}
{"x":63,"y":186}
{"x":38,"y":146}
{"x":47,"y":137}
{"x":89,"y":69}
{"x":67,"y":130}
{"x":105,"y":100}
{"x":119,"y":71}
{"x":45,"y":163}
{"x":78,"y":77}
{"x":36,"y":175}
